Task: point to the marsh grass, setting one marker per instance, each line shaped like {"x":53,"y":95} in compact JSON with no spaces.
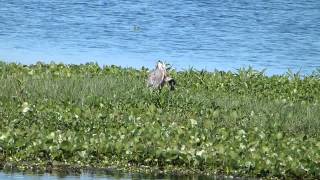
{"x":242,"y":123}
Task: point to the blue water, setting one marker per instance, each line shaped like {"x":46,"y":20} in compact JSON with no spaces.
{"x":222,"y":34}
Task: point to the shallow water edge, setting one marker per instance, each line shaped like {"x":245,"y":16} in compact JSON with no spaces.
{"x":142,"y":172}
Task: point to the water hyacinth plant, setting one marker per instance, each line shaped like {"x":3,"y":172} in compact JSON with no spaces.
{"x":233,"y":123}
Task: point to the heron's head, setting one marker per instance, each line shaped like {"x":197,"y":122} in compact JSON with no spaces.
{"x":161,"y":66}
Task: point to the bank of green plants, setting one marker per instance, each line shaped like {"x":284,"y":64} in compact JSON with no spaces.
{"x":241,"y":123}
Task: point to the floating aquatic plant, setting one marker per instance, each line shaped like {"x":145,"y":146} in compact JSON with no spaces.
{"x":236,"y":123}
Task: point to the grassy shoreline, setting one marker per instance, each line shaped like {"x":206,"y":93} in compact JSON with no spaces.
{"x":242,"y":124}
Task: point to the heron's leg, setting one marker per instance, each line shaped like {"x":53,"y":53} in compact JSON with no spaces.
{"x":161,"y":85}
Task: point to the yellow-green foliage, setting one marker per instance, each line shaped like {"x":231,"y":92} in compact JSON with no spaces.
{"x":242,"y":123}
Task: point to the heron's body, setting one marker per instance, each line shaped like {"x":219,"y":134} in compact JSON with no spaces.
{"x":158,"y":77}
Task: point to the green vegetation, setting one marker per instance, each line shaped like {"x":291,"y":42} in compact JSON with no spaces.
{"x":242,"y":124}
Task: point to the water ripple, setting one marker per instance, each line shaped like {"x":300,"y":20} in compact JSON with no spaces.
{"x":275,"y":34}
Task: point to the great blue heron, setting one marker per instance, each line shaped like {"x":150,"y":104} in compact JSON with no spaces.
{"x":158,"y":77}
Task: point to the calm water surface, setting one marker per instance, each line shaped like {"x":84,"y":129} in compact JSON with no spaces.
{"x":30,"y":176}
{"x":89,"y":175}
{"x":226,"y":35}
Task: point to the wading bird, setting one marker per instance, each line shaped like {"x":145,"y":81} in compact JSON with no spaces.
{"x":158,"y":77}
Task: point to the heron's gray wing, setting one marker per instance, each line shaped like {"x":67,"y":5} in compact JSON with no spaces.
{"x":171,"y":82}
